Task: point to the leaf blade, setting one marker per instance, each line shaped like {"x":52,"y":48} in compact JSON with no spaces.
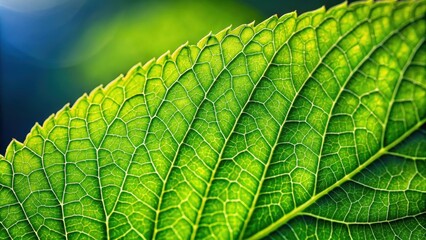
{"x":190,"y":145}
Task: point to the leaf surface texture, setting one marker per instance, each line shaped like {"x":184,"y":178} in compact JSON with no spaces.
{"x":310,"y":125}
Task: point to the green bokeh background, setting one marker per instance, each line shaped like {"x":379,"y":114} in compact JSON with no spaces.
{"x":52,"y":53}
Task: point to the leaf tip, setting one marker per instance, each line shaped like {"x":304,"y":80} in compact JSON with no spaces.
{"x":132,"y":71}
{"x":66,"y":108}
{"x":203,"y":42}
{"x":37,"y":127}
{"x":288,"y":15}
{"x":81,"y":99}
{"x":342,"y":5}
{"x":12,"y":148}
{"x":322,"y":9}
{"x":175,"y":54}
{"x":166,"y":56}
{"x":221,"y":34}
{"x":94,"y":92}
{"x":148,"y":64}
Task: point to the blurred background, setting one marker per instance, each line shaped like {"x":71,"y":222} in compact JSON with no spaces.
{"x":52,"y":51}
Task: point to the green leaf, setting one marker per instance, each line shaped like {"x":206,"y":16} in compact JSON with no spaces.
{"x":308,"y":126}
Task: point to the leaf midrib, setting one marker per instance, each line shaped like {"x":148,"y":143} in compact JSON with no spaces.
{"x":342,"y":87}
{"x":299,"y":210}
{"x":360,"y":223}
{"x":199,"y":215}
